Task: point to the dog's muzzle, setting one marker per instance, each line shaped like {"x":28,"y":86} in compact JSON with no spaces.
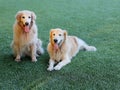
{"x":26,"y":23}
{"x":55,"y":40}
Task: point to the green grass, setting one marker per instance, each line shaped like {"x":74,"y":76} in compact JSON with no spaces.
{"x":95,"y":21}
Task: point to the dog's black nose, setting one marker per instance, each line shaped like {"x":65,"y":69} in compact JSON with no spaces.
{"x":26,"y":23}
{"x":55,"y":40}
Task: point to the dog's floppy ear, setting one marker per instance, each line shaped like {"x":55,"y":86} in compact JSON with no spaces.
{"x":18,"y":15}
{"x":33,"y":16}
{"x":50,"y":38}
{"x":65,"y":34}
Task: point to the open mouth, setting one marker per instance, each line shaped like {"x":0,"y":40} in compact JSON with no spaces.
{"x":26,"y":27}
{"x":57,"y":45}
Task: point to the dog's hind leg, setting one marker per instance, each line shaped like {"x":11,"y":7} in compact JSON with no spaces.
{"x":40,"y":50}
{"x":84,"y":46}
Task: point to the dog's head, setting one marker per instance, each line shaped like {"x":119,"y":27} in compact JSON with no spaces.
{"x":57,"y":37}
{"x":25,"y":19}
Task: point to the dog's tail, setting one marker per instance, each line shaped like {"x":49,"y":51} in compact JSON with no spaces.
{"x":40,"y":50}
{"x":83,"y":46}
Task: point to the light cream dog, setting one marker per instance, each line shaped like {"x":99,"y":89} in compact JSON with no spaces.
{"x":25,"y":36}
{"x":62,"y":48}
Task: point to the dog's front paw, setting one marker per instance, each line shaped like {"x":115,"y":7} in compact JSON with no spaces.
{"x":50,"y":68}
{"x":57,"y":67}
{"x":34,"y":60}
{"x":17,"y":60}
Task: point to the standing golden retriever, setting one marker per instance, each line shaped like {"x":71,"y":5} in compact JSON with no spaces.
{"x":62,"y":48}
{"x":25,"y":36}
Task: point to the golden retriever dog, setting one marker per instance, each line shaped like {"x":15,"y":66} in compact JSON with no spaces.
{"x":62,"y":48}
{"x":25,"y":36}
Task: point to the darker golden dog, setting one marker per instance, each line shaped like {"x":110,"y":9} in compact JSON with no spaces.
{"x":62,"y":48}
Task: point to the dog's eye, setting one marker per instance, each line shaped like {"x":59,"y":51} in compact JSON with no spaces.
{"x":53,"y":34}
{"x":60,"y":35}
{"x":23,"y":17}
{"x":29,"y":17}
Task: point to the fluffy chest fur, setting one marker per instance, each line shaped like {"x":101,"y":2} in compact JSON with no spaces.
{"x":56,"y":55}
{"x":23,"y":38}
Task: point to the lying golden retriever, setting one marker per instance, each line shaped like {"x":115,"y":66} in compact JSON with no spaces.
{"x":25,"y":36}
{"x":62,"y":48}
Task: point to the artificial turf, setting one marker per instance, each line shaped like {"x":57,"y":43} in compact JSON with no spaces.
{"x":95,"y":21}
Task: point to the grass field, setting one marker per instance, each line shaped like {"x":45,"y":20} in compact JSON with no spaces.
{"x":95,"y":21}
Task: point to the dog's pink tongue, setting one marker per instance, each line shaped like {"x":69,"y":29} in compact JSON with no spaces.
{"x":26,"y":28}
{"x":56,"y":46}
